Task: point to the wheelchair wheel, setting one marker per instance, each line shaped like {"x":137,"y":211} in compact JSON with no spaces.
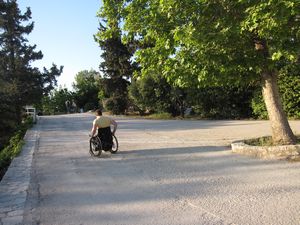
{"x":95,"y":146}
{"x":115,"y":145}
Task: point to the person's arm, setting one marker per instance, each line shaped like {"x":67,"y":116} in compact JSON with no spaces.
{"x":94,"y":129}
{"x":114,"y":123}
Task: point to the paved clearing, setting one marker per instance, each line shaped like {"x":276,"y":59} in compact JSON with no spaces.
{"x":167,"y":172}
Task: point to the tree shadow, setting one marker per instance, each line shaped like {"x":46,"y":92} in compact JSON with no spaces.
{"x":146,"y":182}
{"x":124,"y":123}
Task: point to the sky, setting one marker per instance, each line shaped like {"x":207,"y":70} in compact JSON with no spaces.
{"x":63,"y":31}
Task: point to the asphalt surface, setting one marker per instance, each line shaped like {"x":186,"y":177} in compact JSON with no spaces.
{"x":166,"y":172}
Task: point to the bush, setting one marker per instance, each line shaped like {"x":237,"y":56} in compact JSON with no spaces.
{"x":265,"y":141}
{"x":117,"y":105}
{"x":154,"y":93}
{"x":89,"y":106}
{"x":222,"y":102}
{"x":14,"y":147}
{"x":261,"y":141}
{"x":258,"y":106}
{"x":289,"y":85}
{"x":289,"y":88}
{"x":160,"y":116}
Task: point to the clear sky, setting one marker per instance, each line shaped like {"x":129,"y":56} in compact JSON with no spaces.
{"x":63,"y":31}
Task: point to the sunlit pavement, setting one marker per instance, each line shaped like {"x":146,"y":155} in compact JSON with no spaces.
{"x":167,"y":172}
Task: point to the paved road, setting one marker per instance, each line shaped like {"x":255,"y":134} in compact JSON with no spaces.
{"x":167,"y":172}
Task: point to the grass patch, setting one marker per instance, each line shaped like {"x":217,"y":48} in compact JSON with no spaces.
{"x":265,"y":141}
{"x":14,"y":147}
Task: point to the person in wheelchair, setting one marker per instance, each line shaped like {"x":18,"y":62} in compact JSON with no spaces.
{"x":103,"y":123}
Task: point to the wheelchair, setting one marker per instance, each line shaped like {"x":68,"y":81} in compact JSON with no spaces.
{"x":97,"y":145}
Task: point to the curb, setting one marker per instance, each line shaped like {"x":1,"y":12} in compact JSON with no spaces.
{"x":266,"y":152}
{"x":15,"y":183}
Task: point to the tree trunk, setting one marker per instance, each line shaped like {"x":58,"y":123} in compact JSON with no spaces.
{"x":281,"y":131}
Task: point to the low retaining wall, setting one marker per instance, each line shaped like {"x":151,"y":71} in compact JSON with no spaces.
{"x":15,"y":183}
{"x":267,"y":152}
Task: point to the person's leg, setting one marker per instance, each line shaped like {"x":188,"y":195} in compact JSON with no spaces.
{"x":105,"y":137}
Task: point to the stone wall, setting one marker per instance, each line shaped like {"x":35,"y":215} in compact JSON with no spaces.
{"x":267,"y":152}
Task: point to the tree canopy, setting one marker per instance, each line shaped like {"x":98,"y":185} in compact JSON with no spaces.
{"x":86,"y":88}
{"x":206,"y":43}
{"x":203,"y":42}
{"x":116,"y":66}
{"x":21,"y":84}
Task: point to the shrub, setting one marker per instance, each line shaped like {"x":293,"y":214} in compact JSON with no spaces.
{"x":14,"y":146}
{"x":160,"y":116}
{"x":289,"y":87}
{"x":89,"y":106}
{"x":265,"y":141}
{"x":258,"y":106}
{"x":222,"y":102}
{"x":116,"y":104}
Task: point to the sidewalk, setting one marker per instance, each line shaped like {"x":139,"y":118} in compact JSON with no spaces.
{"x":15,"y":183}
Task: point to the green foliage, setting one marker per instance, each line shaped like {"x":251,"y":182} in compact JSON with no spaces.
{"x":289,"y":87}
{"x":204,"y":43}
{"x":223,"y":102}
{"x":14,"y":146}
{"x":20,"y":83}
{"x":160,"y":116}
{"x":208,"y":42}
{"x":28,"y":84}
{"x":8,"y":114}
{"x":58,"y":101}
{"x":155,"y":94}
{"x":214,"y":49}
{"x":116,"y":66}
{"x":265,"y":141}
{"x":90,"y":106}
{"x":258,"y":106}
{"x":49,"y":78}
{"x":115,"y":104}
{"x":261,"y":141}
{"x":86,"y":87}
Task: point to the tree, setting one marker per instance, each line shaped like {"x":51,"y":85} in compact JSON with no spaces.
{"x":221,"y":102}
{"x":22,"y":84}
{"x":57,"y":101}
{"x":16,"y":56}
{"x":86,"y":89}
{"x":211,"y":43}
{"x":155,"y":94}
{"x":289,"y":88}
{"x":116,"y":66}
{"x":8,"y":119}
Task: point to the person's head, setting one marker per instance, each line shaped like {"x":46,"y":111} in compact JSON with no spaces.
{"x":98,"y":112}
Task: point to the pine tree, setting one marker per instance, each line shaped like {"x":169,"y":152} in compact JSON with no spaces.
{"x":116,"y":66}
{"x":20,"y":83}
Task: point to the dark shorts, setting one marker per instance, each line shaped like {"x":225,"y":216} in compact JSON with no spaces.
{"x":105,"y":136}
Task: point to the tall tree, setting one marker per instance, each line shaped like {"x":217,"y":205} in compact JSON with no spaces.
{"x":17,"y":55}
{"x":155,"y":94}
{"x":23,"y":83}
{"x":209,"y":43}
{"x":116,"y":66}
{"x":58,"y":101}
{"x":86,"y":89}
